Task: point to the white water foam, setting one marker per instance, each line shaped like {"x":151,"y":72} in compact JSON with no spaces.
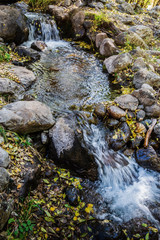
{"x":127,"y":188}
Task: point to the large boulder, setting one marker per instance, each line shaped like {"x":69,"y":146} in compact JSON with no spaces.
{"x":145,"y":76}
{"x":144,"y":32}
{"x":117,"y":63}
{"x":4,"y":158}
{"x":67,"y":150}
{"x":6,"y":207}
{"x":13,"y":27}
{"x":131,"y":38}
{"x":4,"y":178}
{"x":25,"y":77}
{"x":108,"y":48}
{"x":26,"y":117}
{"x":127,"y":101}
{"x":8,"y":86}
{"x":77,"y":20}
{"x":147,"y":158}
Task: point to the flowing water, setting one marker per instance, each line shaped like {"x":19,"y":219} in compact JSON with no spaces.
{"x":67,"y":76}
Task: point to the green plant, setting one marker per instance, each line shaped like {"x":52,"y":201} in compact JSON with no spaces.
{"x":4,"y":55}
{"x":3,"y":133}
{"x":22,"y":140}
{"x":19,"y":228}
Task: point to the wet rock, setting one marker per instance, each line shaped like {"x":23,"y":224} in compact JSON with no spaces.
{"x":131,"y":37}
{"x":117,"y":62}
{"x":99,"y":38}
{"x":120,"y":137}
{"x":144,"y":32}
{"x":140,"y":115}
{"x":6,"y":207}
{"x":147,"y":158}
{"x":139,"y":64}
{"x":28,"y":52}
{"x":112,"y":122}
{"x":25,"y":76}
{"x":153,"y":111}
{"x":108,"y":48}
{"x":77,"y":20}
{"x":13,"y":26}
{"x":8,"y":86}
{"x":157,"y":129}
{"x":128,"y":152}
{"x":100,"y":110}
{"x":145,"y":96}
{"x":67,"y":149}
{"x":72,"y":196}
{"x":4,"y":158}
{"x":145,"y":76}
{"x":137,"y":141}
{"x":4,"y":178}
{"x":39,"y":46}
{"x":26,"y":117}
{"x":116,"y":112}
{"x":127,"y":8}
{"x":127,"y":101}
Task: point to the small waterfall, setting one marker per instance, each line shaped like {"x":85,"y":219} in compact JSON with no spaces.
{"x":127,"y":189}
{"x":42,"y":28}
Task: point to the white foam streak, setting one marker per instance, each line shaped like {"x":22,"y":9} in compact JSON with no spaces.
{"x":127,"y":188}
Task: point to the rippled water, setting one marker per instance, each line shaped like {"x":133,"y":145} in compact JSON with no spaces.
{"x":65,"y":76}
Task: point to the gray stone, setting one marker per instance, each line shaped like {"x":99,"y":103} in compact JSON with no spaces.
{"x":157,"y":129}
{"x":140,"y":115}
{"x":26,"y":117}
{"x":144,"y":32}
{"x":117,"y":62}
{"x":99,"y":38}
{"x":77,"y":20}
{"x":23,"y":51}
{"x":6,"y":207}
{"x":4,"y":178}
{"x":130,"y":37}
{"x":38,"y":45}
{"x":145,"y":96}
{"x":100,"y":110}
{"x":13,"y":27}
{"x":8,"y":86}
{"x":25,"y":76}
{"x":127,"y":101}
{"x":145,"y":76}
{"x":66,"y":148}
{"x":4,"y":158}
{"x":153,"y":111}
{"x":139,"y":64}
{"x":116,"y":112}
{"x":108,"y":48}
{"x":127,"y":8}
{"x":147,"y":158}
{"x":112,"y":122}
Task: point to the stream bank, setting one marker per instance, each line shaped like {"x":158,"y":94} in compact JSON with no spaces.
{"x":119,"y":125}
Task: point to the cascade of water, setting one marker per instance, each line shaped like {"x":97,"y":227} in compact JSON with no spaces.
{"x":42,"y":28}
{"x":127,"y":188}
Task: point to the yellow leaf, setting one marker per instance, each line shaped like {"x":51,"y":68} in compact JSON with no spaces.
{"x":75,"y":219}
{"x":89,"y":208}
{"x":52,"y":209}
{"x":19,"y":186}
